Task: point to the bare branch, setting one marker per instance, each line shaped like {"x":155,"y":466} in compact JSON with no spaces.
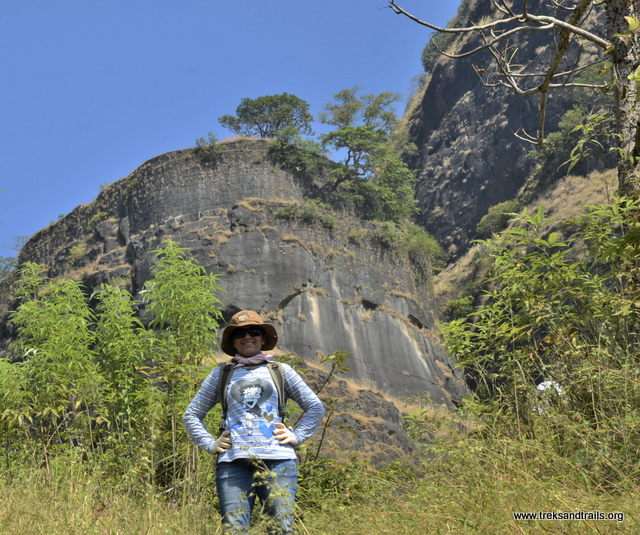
{"x":502,"y":7}
{"x":522,"y":17}
{"x":497,"y":39}
{"x":524,"y":136}
{"x":602,"y":43}
{"x":567,"y":73}
{"x":468,"y":29}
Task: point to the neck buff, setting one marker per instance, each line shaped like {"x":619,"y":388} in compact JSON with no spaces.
{"x":260,"y":358}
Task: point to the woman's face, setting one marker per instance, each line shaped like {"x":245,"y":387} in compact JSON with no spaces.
{"x":248,"y":341}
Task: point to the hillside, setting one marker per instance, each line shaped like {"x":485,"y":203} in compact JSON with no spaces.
{"x":468,"y":157}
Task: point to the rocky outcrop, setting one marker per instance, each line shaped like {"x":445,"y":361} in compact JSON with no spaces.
{"x":359,"y":421}
{"x":469,"y":158}
{"x":326,"y":286}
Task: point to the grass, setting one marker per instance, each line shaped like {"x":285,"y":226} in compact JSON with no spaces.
{"x":465,"y":483}
{"x":75,"y":502}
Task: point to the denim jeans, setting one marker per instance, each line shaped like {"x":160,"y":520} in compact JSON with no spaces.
{"x":273,"y":481}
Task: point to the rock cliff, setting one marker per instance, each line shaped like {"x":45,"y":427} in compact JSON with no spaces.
{"x":326,"y":287}
{"x":469,"y":158}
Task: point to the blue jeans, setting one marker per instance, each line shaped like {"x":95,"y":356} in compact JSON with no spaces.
{"x":273,"y":481}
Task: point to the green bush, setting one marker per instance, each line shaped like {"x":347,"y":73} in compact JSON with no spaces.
{"x":357,"y":235}
{"x":459,"y":308}
{"x":303,"y":160}
{"x":96,"y":218}
{"x":99,"y":384}
{"x":420,"y":246}
{"x":76,"y":253}
{"x":207,"y":149}
{"x":554,"y":315}
{"x":310,"y":212}
{"x":497,"y":218}
{"x":431,"y":51}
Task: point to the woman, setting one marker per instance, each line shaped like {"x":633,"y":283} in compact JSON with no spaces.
{"x":255,"y":448}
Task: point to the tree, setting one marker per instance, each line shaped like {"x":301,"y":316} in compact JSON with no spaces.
{"x":372,"y":169}
{"x":282,"y":116}
{"x":7,"y":265}
{"x":567,"y":25}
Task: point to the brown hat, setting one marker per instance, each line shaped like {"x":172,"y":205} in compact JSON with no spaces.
{"x":246,"y":318}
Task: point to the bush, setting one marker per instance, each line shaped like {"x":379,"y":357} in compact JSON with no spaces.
{"x":554,"y":315}
{"x":304,"y":160}
{"x":358,"y":235}
{"x":98,"y":384}
{"x":459,"y":308}
{"x":420,"y":246}
{"x":310,"y":212}
{"x":431,"y":51}
{"x":207,"y":150}
{"x":497,"y":218}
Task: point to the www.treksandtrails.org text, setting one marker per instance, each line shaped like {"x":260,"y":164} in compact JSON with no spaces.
{"x":576,"y":515}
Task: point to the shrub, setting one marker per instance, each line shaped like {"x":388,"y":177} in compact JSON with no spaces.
{"x":357,"y":235}
{"x":497,"y":218}
{"x":459,"y":308}
{"x":386,"y":234}
{"x":303,"y":160}
{"x":207,"y":150}
{"x":96,"y":218}
{"x":310,"y":212}
{"x":554,"y":315}
{"x":421,"y":246}
{"x":76,"y":253}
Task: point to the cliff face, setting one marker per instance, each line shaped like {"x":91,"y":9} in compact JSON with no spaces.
{"x":469,"y":158}
{"x":325,"y":287}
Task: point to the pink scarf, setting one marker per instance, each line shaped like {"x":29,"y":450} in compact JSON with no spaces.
{"x":240,"y":361}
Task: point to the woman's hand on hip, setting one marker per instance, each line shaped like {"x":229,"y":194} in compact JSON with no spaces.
{"x":223,"y":443}
{"x":284,"y":435}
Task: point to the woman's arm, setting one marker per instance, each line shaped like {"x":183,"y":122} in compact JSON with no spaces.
{"x":200,"y":405}
{"x":306,"y":398}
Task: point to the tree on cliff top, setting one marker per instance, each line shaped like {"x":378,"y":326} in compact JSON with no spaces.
{"x":283,"y":116}
{"x":371,"y":169}
{"x":567,"y":25}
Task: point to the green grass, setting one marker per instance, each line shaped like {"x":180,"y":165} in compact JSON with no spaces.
{"x":465,"y":483}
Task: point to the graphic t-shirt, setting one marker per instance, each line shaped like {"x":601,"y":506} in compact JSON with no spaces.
{"x":252,"y":413}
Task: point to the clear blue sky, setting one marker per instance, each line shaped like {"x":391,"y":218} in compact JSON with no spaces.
{"x":92,"y":89}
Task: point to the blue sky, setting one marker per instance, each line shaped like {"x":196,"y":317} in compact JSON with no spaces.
{"x":92,"y":89}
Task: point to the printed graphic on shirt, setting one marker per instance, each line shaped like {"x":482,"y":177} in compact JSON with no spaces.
{"x":252,"y":395}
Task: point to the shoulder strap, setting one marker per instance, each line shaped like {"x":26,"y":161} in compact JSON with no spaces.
{"x":278,"y":379}
{"x":225,"y":375}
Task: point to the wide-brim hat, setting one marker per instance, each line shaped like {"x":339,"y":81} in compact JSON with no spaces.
{"x":248,"y":318}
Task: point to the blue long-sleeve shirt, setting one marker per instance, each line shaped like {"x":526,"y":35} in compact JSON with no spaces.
{"x":252,"y":412}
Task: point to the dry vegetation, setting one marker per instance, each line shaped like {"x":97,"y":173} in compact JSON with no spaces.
{"x":565,"y":200}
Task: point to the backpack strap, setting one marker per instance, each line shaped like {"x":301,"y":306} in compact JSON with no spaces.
{"x":278,"y":379}
{"x":225,"y":375}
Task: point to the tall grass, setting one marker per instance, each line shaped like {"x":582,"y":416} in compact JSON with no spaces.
{"x":467,"y":482}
